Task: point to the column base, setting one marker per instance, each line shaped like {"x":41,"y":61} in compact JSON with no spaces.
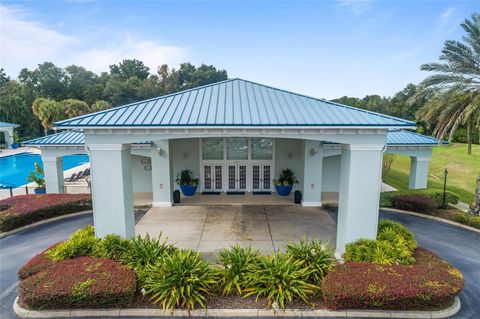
{"x":312,"y":204}
{"x":161,"y":204}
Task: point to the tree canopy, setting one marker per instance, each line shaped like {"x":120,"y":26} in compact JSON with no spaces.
{"x":49,"y":93}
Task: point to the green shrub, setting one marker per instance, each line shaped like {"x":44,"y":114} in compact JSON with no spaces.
{"x":280,"y":279}
{"x":468,"y":219}
{"x":395,"y":244}
{"x":111,"y":246}
{"x":317,"y":256}
{"x":386,"y":229}
{"x":81,"y":243}
{"x":143,"y":251}
{"x":387,"y":199}
{"x":416,"y":203}
{"x":236,"y":262}
{"x":181,"y":279}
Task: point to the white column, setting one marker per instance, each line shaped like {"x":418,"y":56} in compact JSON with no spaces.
{"x":360,"y":182}
{"x":418,"y":172}
{"x":312,"y":180}
{"x":53,"y":169}
{"x":112,"y":189}
{"x":9,"y":137}
{"x":161,"y":177}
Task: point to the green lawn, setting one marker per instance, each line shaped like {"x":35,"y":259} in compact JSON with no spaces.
{"x":462,"y":170}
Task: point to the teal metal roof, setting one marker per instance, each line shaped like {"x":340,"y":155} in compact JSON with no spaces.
{"x":233,"y":102}
{"x":402,"y":137}
{"x":71,"y":137}
{"x":77,"y":137}
{"x":6,"y":124}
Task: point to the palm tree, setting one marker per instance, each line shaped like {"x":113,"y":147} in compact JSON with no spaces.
{"x":454,"y":91}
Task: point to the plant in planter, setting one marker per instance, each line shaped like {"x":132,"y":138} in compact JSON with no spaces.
{"x":285,"y":182}
{"x":187,"y":182}
{"x":37,"y":176}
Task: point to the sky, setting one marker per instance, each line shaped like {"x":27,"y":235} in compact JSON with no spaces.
{"x":325,"y":49}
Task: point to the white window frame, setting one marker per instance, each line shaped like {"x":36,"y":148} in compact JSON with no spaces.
{"x":224,"y":163}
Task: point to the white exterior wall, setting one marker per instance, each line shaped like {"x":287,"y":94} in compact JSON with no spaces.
{"x":185,"y":154}
{"x":331,"y":174}
{"x":289,"y":154}
{"x":141,"y":177}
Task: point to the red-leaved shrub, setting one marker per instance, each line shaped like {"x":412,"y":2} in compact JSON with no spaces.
{"x":416,"y":203}
{"x":26,"y":209}
{"x":430,"y":283}
{"x":38,"y":263}
{"x":79,"y":283}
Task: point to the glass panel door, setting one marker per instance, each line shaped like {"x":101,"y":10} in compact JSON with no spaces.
{"x":207,"y":178}
{"x":256,"y":186}
{"x":232,"y":177}
{"x":242,"y":177}
{"x":267,"y":178}
{"x":218,"y":177}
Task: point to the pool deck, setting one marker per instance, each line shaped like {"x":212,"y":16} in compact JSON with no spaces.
{"x":9,"y":151}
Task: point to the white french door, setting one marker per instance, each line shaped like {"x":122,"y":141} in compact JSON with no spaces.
{"x":261,"y":177}
{"x":212,"y":177}
{"x":236,"y":177}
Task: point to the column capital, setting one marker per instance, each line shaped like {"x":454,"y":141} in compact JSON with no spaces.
{"x":364,"y":147}
{"x":107,"y":147}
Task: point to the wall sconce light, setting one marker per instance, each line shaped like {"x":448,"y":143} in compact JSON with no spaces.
{"x":160,"y":151}
{"x":313,"y":151}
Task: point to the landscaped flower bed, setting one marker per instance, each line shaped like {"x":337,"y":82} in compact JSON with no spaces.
{"x":387,"y":273}
{"x":79,"y":283}
{"x":22,"y":210}
{"x":429,"y":283}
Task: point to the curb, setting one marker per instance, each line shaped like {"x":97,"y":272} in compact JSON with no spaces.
{"x":438,"y":219}
{"x":46,"y":221}
{"x":75,"y":313}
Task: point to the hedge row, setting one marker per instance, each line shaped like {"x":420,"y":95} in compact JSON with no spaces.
{"x":22,"y":210}
{"x":82,"y":282}
{"x":387,"y":199}
{"x":430,"y":283}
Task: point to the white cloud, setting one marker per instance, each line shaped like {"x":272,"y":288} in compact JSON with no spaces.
{"x":356,"y":7}
{"x":26,"y":43}
{"x":446,"y":16}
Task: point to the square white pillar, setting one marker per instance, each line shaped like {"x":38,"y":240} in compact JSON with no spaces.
{"x":360,"y":182}
{"x":161,"y":173}
{"x":312,"y":180}
{"x":53,"y":169}
{"x":112,"y":192}
{"x":418,"y":172}
{"x":9,"y":137}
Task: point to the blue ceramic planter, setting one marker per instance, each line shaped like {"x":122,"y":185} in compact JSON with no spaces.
{"x":283,"y":190}
{"x":40,"y":191}
{"x":188,"y":190}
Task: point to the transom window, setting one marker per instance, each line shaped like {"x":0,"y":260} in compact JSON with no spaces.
{"x":212,"y":148}
{"x":237,"y":148}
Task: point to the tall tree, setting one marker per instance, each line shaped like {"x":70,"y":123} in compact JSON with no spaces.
{"x":47,"y":80}
{"x":455,"y":88}
{"x":48,"y":111}
{"x":73,"y":107}
{"x":128,"y":68}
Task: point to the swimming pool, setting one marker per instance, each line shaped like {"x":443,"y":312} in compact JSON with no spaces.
{"x":14,"y":169}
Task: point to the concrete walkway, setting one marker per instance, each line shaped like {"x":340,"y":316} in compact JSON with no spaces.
{"x":210,"y":228}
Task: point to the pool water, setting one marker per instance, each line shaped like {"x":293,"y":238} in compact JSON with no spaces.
{"x":14,"y":169}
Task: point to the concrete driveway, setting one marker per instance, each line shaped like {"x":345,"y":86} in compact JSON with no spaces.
{"x":210,"y":228}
